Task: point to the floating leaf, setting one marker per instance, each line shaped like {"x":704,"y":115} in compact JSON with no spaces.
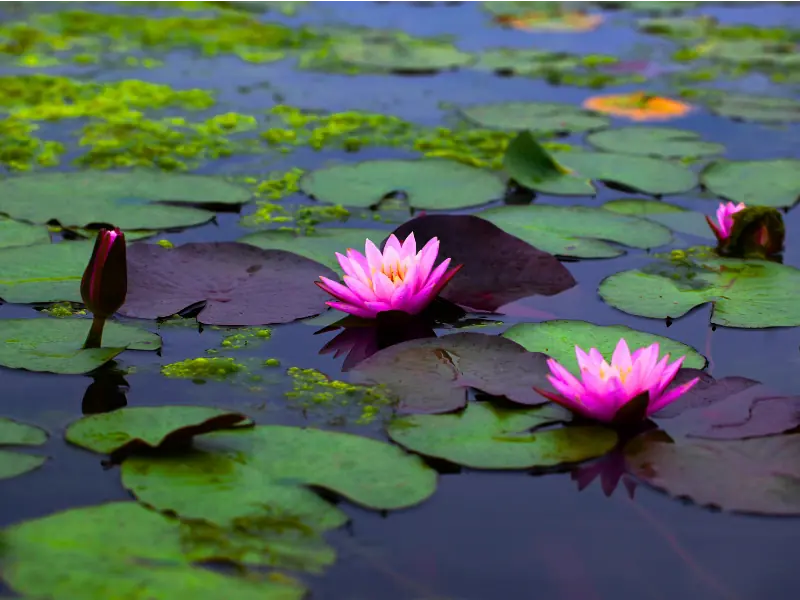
{"x":662,"y":142}
{"x":498,"y":267}
{"x":13,"y":433}
{"x":434,"y":375}
{"x":759,"y":475}
{"x":43,"y":272}
{"x":531,"y":166}
{"x":134,"y":200}
{"x":763,"y":109}
{"x":240,"y":284}
{"x":320,"y":247}
{"x":642,"y":173}
{"x":674,"y":217}
{"x":399,"y":54}
{"x":433,"y":184}
{"x":750,"y":294}
{"x":56,"y":345}
{"x":14,"y":233}
{"x":484,"y":437}
{"x":558,"y":339}
{"x":638,"y":106}
{"x":576,"y":230}
{"x":254,"y":476}
{"x":728,"y":409}
{"x":653,"y":7}
{"x":755,"y":182}
{"x":123,"y":550}
{"x":536,"y":117}
{"x":133,"y":429}
{"x":529,"y":62}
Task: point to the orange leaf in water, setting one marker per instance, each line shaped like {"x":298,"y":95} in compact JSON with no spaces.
{"x":638,"y":106}
{"x":544,"y":21}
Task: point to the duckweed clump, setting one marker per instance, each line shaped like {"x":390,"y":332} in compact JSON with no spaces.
{"x":62,"y":310}
{"x":311,"y":388}
{"x":243,"y":338}
{"x":202,"y":369}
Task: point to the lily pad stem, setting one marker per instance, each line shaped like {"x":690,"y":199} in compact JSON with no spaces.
{"x":95,"y":337}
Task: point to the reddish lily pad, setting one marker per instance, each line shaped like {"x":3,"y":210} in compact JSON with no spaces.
{"x":433,"y":375}
{"x":239,"y":283}
{"x":728,"y":409}
{"x":498,"y":267}
{"x":128,"y":430}
{"x":759,"y":475}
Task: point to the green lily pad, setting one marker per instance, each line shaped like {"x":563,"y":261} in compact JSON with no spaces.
{"x":14,"y":233}
{"x":537,"y":117}
{"x":576,"y":230}
{"x":43,"y":272}
{"x":755,"y":182}
{"x":261,"y":474}
{"x":531,"y":166}
{"x":758,"y":475}
{"x":429,"y":184}
{"x":484,"y":437}
{"x":399,"y":54}
{"x":654,"y":176}
{"x":55,"y":345}
{"x":652,"y":7}
{"x":749,"y":294}
{"x":662,"y":142}
{"x":13,"y":433}
{"x":763,"y":109}
{"x":678,"y":28}
{"x":132,"y":429}
{"x":558,"y":339}
{"x":529,"y":62}
{"x":123,"y":550}
{"x":321,"y":246}
{"x":674,"y":217}
{"x":131,"y":200}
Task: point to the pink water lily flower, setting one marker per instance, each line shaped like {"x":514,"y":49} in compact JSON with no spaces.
{"x":605,"y":389}
{"x":724,"y":225}
{"x":399,"y":279}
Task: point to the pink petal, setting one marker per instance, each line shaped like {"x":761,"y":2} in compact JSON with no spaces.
{"x":560,"y":372}
{"x":400,"y":298}
{"x":658,"y":403}
{"x":570,"y":405}
{"x":358,"y":311}
{"x":622,"y":356}
{"x":393,"y":243}
{"x":427,"y":257}
{"x":359,"y":265}
{"x":378,"y":307}
{"x":374,"y":258}
{"x":438,"y":272}
{"x":360,"y":289}
{"x":409,"y":248}
{"x":337,"y":290}
{"x":383,"y":286}
{"x":446,"y":278}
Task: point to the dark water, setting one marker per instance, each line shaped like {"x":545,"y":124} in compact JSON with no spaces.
{"x":483,"y":536}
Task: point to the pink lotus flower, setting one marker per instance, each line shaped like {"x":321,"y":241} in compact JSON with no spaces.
{"x":606,"y":389}
{"x":399,"y":279}
{"x":722,"y":229}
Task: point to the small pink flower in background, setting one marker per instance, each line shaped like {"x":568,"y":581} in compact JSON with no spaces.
{"x":399,"y":279}
{"x":724,"y":225}
{"x":605,"y":389}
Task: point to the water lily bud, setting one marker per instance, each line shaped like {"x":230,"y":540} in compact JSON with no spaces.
{"x":105,"y":280}
{"x":756,"y":232}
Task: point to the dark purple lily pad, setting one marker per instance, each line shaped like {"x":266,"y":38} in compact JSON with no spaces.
{"x":434,"y":375}
{"x":759,"y":475}
{"x":240,"y":284}
{"x":498,"y":267}
{"x":728,"y":409}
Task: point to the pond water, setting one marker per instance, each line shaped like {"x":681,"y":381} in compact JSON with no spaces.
{"x":483,"y":534}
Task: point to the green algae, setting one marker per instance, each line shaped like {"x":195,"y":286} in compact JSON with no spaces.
{"x":202,"y":369}
{"x":62,"y":310}
{"x":243,"y":338}
{"x":312,"y":389}
{"x":20,"y":150}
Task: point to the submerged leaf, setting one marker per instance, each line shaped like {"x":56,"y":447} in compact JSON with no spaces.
{"x":12,"y":433}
